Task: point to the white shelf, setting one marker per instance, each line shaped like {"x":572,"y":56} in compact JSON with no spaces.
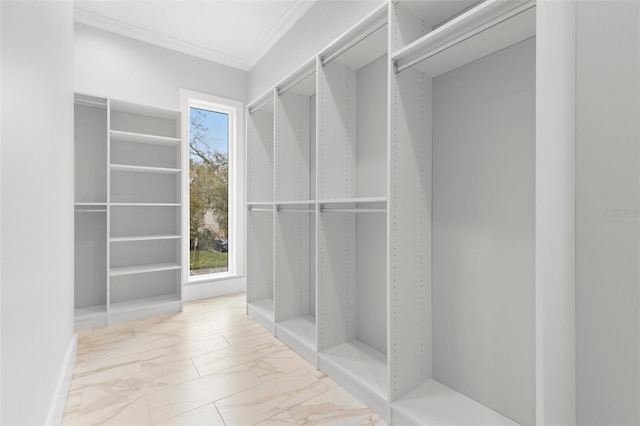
{"x":361,"y":200}
{"x":295,"y":203}
{"x":145,"y":204}
{"x":90,"y":312}
{"x":302,"y":328}
{"x":260,"y":203}
{"x":142,"y":269}
{"x":143,"y":169}
{"x":143,"y":303}
{"x":145,"y":238}
{"x":263,"y":307}
{"x":143,"y":138}
{"x":82,"y":204}
{"x":362,"y":363}
{"x":487,"y":28}
{"x":436,"y":404}
{"x":148,"y":110}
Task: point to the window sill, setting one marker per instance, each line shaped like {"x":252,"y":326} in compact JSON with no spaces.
{"x":222,"y":276}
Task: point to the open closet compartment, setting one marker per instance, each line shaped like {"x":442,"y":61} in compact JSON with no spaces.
{"x":295,"y":278}
{"x":260,"y":149}
{"x":352,"y":112}
{"x":260,"y":258}
{"x":352,"y":299}
{"x":90,"y":205}
{"x":295,"y":136}
{"x":462,"y":215}
{"x":260,"y":215}
{"x":145,"y":199}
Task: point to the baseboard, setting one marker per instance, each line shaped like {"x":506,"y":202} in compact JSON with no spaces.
{"x":56,"y":410}
{"x":217,"y":287}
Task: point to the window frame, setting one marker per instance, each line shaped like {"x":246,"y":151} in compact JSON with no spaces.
{"x":236,"y":238}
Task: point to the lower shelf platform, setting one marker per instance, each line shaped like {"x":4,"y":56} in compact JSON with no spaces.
{"x":361,"y":370}
{"x":436,"y":404}
{"x":299,"y":334}
{"x":90,"y":316}
{"x":262,"y":311}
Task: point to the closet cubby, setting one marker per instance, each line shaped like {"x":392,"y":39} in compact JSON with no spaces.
{"x":352,"y":298}
{"x":260,"y":149}
{"x":90,"y":205}
{"x":127,"y":221}
{"x":144,"y":186}
{"x":425,"y":248}
{"x":295,"y":134}
{"x":260,"y":259}
{"x":462,"y":209}
{"x":294,"y":278}
{"x":352,"y":113}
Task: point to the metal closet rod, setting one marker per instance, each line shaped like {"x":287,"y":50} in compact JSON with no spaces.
{"x":281,"y":210}
{"x":397,"y":68}
{"x":295,"y":81}
{"x":260,"y":209}
{"x":353,"y":42}
{"x":338,"y":210}
{"x":254,"y":108}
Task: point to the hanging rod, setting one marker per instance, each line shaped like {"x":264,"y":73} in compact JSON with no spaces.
{"x":500,"y":17}
{"x":91,"y":211}
{"x":325,"y":210}
{"x":324,"y":61}
{"x":254,"y":108}
{"x":295,"y":81}
{"x":260,"y":209}
{"x":296,"y":210}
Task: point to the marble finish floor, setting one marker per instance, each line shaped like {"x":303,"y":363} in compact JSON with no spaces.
{"x":209,"y":365}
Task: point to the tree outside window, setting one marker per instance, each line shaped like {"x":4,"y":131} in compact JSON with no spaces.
{"x":208,"y":191}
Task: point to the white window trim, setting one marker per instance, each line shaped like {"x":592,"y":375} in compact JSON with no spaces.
{"x":237,"y":239}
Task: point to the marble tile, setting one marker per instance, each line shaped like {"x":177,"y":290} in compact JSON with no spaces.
{"x":335,"y":407}
{"x":134,"y":413}
{"x":236,"y":355}
{"x":210,"y":364}
{"x":283,"y":418}
{"x":186,"y":349}
{"x":372,"y":420}
{"x":185,"y":397}
{"x":206,"y":415}
{"x":107,"y":373}
{"x":277,"y":364}
{"x":244,"y":334}
{"x":126,"y":389}
{"x":264,"y":401}
{"x":135,"y":345}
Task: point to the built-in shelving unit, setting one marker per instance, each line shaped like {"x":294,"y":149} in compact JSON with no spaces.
{"x":127,"y":174}
{"x":393,"y":195}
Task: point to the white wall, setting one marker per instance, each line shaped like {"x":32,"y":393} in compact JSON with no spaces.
{"x":607,"y":221}
{"x":119,"y":67}
{"x":325,"y":21}
{"x":37,"y":182}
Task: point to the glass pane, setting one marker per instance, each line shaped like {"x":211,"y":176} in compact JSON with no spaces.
{"x":208,"y":192}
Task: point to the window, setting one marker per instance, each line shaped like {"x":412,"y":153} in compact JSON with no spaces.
{"x":212,"y":215}
{"x":208,"y":191}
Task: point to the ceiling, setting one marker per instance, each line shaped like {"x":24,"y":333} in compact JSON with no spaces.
{"x":231,"y":32}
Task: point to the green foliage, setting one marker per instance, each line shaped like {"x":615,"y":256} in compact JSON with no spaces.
{"x":204,"y":259}
{"x":209,"y":181}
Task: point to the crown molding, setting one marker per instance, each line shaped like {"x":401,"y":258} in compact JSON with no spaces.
{"x":295,"y":11}
{"x":280,"y":28}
